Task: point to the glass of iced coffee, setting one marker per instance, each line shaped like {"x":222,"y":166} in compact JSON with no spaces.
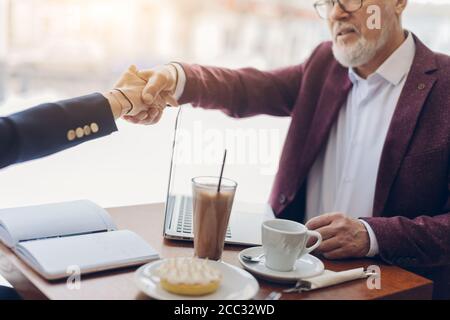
{"x":212,"y":208}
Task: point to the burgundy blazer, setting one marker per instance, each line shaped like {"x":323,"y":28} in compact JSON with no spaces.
{"x":411,"y":210}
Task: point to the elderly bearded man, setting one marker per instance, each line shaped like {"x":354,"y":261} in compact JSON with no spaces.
{"x":366,"y":158}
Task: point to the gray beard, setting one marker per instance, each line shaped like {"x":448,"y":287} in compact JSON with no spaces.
{"x":361,"y":52}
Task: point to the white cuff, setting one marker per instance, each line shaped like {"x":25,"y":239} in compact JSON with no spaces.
{"x":181,"y":80}
{"x":373,"y":250}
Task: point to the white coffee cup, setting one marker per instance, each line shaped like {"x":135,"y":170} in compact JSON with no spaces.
{"x":284,"y":242}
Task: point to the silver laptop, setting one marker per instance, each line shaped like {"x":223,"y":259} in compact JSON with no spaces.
{"x":244,"y":227}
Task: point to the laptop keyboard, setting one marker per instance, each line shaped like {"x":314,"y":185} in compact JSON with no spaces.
{"x":184,"y":223}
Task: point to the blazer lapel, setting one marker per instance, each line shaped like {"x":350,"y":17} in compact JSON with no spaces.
{"x":412,"y":99}
{"x":335,"y":91}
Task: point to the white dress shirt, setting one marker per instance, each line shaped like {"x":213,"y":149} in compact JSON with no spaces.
{"x":344,"y":175}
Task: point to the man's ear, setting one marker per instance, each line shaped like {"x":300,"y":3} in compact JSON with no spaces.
{"x":400,"y":5}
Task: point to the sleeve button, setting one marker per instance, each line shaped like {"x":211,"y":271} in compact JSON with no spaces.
{"x":87,"y":130}
{"x":71,"y":135}
{"x":79,"y":132}
{"x":94,"y":127}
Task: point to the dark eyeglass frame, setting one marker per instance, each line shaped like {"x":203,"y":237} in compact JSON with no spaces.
{"x":333,"y":3}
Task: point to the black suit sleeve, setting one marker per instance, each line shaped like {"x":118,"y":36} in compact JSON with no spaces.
{"x":51,"y":127}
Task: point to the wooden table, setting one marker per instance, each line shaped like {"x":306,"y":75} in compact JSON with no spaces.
{"x":147,"y":221}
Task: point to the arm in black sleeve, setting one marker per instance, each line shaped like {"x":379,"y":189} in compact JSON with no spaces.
{"x":52,"y":127}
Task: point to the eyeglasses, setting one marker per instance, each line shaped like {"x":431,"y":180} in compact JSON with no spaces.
{"x":325,"y":7}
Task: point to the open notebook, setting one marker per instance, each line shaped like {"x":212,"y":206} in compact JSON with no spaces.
{"x":55,"y":239}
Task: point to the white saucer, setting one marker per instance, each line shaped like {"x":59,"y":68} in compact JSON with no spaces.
{"x":237,"y":284}
{"x":305,"y":267}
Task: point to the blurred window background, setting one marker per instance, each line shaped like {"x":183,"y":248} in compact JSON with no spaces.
{"x":56,"y":49}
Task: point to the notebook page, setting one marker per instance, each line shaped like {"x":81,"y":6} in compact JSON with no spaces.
{"x":50,"y":220}
{"x":55,"y":258}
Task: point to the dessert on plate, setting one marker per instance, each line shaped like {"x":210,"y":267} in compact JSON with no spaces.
{"x":189,"y":276}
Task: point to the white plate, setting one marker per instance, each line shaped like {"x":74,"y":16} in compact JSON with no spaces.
{"x":305,"y":267}
{"x":237,"y":284}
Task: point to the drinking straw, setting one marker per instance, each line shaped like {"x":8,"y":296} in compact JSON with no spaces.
{"x":221,"y":171}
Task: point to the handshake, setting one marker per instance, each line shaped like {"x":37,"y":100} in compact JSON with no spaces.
{"x":140,"y":96}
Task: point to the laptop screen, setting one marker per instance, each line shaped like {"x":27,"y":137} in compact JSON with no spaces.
{"x":169,"y":204}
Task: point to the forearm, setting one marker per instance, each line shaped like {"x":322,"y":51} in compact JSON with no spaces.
{"x":115,"y":105}
{"x":244,"y":92}
{"x":420,"y":242}
{"x":52,"y":127}
{"x":8,"y":149}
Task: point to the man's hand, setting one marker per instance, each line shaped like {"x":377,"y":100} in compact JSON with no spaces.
{"x":162,"y":82}
{"x":343,"y":236}
{"x":126,"y":98}
{"x":159,"y":87}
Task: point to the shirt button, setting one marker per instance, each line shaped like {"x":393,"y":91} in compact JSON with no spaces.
{"x":421,"y":86}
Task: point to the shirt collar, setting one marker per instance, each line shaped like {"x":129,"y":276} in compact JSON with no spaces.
{"x":397,"y":66}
